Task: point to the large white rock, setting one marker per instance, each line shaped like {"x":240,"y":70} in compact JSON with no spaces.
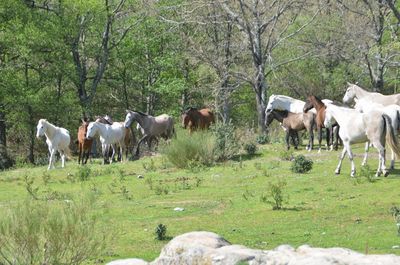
{"x":197,"y":248}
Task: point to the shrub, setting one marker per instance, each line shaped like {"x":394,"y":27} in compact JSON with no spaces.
{"x":277,"y":194}
{"x":301,"y":164}
{"x":227,"y":143}
{"x":251,"y":148}
{"x":367,"y":173}
{"x":395,"y":211}
{"x":83,"y":173}
{"x":286,"y":155}
{"x":36,"y":232}
{"x":262,"y":139}
{"x":187,"y":150}
{"x":161,"y":232}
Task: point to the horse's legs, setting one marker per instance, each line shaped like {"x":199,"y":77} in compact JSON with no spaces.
{"x":62,"y":154}
{"x":138,"y":145}
{"x":113,"y":153}
{"x":350,"y":154}
{"x":287,"y":139}
{"x":393,"y":157}
{"x":87,"y":155}
{"x":382,"y":153}
{"x":337,"y":137}
{"x":105,"y":150}
{"x":51,"y":160}
{"x":339,"y":166}
{"x":366,"y":148}
{"x":80,"y":153}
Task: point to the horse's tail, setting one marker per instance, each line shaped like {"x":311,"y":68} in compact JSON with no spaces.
{"x":390,"y":135}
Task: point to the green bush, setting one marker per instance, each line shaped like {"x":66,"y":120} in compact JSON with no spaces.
{"x":286,"y":155}
{"x":187,"y":150}
{"x":161,"y":232}
{"x":276,"y":192}
{"x":301,"y":164}
{"x":251,"y":148}
{"x":83,"y":173}
{"x":36,"y":232}
{"x":227,"y":143}
{"x":262,"y":139}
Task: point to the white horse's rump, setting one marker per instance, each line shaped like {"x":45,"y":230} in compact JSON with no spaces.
{"x":281,"y":102}
{"x":109,"y":135}
{"x":354,"y":91}
{"x":57,"y":139}
{"x":356,"y":127}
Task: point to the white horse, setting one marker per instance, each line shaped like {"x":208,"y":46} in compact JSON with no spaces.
{"x":109,"y":135}
{"x":354,"y":91}
{"x":57,"y":139}
{"x":356,"y":127}
{"x":281,"y":102}
{"x":393,"y":111}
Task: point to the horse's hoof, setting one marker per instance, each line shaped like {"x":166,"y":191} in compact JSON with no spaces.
{"x":352,"y":174}
{"x":337,"y":172}
{"x":386,"y":173}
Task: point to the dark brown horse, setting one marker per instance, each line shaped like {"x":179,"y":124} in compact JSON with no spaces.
{"x":315,"y":102}
{"x":193,"y":118}
{"x":84,"y":144}
{"x":292,"y":123}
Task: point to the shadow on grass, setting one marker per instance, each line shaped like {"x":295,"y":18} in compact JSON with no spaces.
{"x":394,"y":173}
{"x":245,"y":157}
{"x":295,"y":209}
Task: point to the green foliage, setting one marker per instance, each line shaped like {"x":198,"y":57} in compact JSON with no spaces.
{"x":251,"y":148}
{"x":276,"y":192}
{"x":367,"y":173}
{"x":84,"y":173}
{"x":227,"y":143}
{"x":395,"y":211}
{"x":188,"y":150}
{"x":262,"y":139}
{"x":149,"y":166}
{"x":286,"y":155}
{"x":301,"y":164}
{"x":35,"y":232}
{"x":161,"y":232}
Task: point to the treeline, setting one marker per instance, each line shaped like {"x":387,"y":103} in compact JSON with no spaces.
{"x":65,"y":59}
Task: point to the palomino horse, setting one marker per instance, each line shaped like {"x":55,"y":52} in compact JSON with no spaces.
{"x":354,"y":91}
{"x":193,"y":118}
{"x":162,"y":125}
{"x":356,"y":127}
{"x":109,"y":135}
{"x":57,"y":139}
{"x":84,"y":144}
{"x":393,"y":111}
{"x":293,"y":122}
{"x":315,"y":102}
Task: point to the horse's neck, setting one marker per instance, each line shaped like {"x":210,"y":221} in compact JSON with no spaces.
{"x":50,"y":130}
{"x":102,"y":128}
{"x":279,"y":116}
{"x":361,"y":93}
{"x":318,"y":104}
{"x":340,"y":114}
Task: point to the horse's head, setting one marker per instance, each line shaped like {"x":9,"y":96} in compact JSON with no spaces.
{"x":309,"y":103}
{"x":130,"y":117}
{"x":350,"y":93}
{"x":91,"y":130}
{"x":185,"y":120}
{"x":41,"y":128}
{"x":271,"y":102}
{"x":269,"y":117}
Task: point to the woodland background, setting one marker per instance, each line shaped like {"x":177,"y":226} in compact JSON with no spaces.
{"x":65,"y":59}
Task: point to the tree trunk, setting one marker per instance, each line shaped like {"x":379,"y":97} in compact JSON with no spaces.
{"x":260,"y":90}
{"x":5,"y":161}
{"x":31,"y":157}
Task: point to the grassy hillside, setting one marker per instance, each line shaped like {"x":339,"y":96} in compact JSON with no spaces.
{"x":321,"y":209}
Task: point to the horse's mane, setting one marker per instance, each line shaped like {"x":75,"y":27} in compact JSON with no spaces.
{"x":102,"y":120}
{"x":142,"y":113}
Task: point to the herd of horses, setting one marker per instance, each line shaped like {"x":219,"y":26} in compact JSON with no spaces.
{"x":375,"y":120}
{"x":119,"y":137}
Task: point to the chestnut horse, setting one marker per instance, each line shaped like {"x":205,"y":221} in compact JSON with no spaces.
{"x":320,"y":107}
{"x":193,"y":118}
{"x":84,"y":144}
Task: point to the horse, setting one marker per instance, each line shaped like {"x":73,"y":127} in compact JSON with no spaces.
{"x":316,"y":103}
{"x":281,"y":102}
{"x":393,"y":111}
{"x":354,"y":91}
{"x":109,"y":135}
{"x":57,"y":139}
{"x":84,"y":144}
{"x":159,"y":126}
{"x":293,"y":122}
{"x":193,"y":118}
{"x":356,"y":127}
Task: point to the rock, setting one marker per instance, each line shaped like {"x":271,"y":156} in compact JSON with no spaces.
{"x":140,"y":176}
{"x":210,"y":248}
{"x":178,"y":209}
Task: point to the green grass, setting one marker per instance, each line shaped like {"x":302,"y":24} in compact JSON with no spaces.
{"x":323,"y":210}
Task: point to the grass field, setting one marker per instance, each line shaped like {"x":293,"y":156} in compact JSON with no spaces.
{"x":321,"y":209}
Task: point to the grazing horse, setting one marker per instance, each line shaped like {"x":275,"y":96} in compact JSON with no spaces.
{"x":57,"y":139}
{"x":320,"y":107}
{"x":109,"y":135}
{"x":293,"y":122}
{"x":159,"y":126}
{"x":354,"y":91}
{"x":393,"y":111}
{"x":356,"y":127}
{"x":84,"y":144}
{"x":193,"y":118}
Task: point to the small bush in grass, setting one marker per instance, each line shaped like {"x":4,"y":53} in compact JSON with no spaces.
{"x":276,"y":192}
{"x":161,"y":232}
{"x":251,"y":148}
{"x":367,"y":173}
{"x":286,"y":155}
{"x":395,"y":211}
{"x":226,"y":142}
{"x":186,"y":150}
{"x":301,"y":164}
{"x":36,"y":232}
{"x":83,"y":173}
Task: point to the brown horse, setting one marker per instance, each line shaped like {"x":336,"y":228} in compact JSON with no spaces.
{"x":331,"y":133}
{"x":292,"y":123}
{"x":193,"y":118}
{"x":84,"y":144}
